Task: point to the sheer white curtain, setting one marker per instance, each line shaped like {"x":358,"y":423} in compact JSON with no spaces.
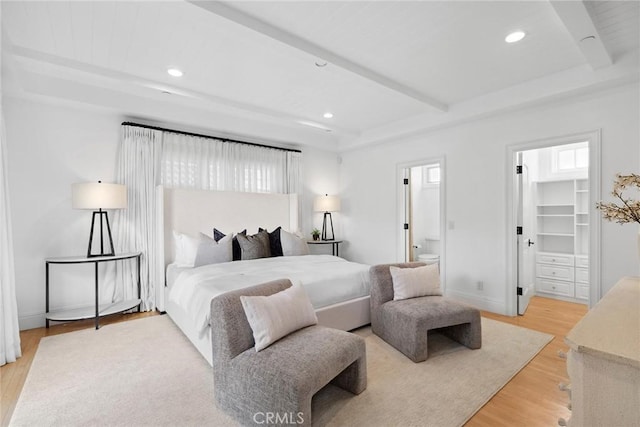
{"x":294,"y":174}
{"x":212,"y":164}
{"x":135,"y":227}
{"x":9,"y":329}
{"x":151,"y":157}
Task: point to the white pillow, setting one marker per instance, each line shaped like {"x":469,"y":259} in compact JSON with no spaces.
{"x":292,"y":244}
{"x":275,"y":316}
{"x":212,"y":252}
{"x":186,"y":249}
{"x":415,"y":282}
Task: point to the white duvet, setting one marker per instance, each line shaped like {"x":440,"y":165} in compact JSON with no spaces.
{"x":327,"y":279}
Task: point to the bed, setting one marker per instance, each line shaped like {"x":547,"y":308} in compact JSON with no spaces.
{"x":338,"y":289}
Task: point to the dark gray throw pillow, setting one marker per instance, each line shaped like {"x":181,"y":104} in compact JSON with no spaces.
{"x":254,"y":247}
{"x":274,"y":241}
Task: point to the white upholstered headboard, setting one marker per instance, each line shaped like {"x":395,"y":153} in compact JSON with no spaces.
{"x":192,"y":211}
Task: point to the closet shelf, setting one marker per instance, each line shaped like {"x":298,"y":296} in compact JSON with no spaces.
{"x":562,"y":231}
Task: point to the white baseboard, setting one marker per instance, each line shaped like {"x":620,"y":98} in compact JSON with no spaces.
{"x":493,"y":305}
{"x":31,"y":321}
{"x":37,"y":320}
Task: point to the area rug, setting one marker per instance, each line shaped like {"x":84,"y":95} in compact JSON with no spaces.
{"x":146,"y":373}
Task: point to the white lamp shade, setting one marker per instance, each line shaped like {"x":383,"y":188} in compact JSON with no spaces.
{"x":326,"y":203}
{"x":98,"y":195}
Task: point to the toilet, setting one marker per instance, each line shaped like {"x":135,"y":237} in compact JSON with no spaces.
{"x":429,"y":258}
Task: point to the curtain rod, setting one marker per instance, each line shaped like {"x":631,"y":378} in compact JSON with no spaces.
{"x":208,"y":136}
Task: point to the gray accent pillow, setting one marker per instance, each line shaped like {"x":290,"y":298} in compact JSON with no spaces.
{"x":254,"y":247}
{"x":212,"y":252}
{"x":292,"y":244}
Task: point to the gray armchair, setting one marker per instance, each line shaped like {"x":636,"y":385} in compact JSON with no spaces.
{"x":282,"y":378}
{"x":405,"y":323}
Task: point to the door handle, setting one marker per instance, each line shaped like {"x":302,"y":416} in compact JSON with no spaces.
{"x":530,"y":243}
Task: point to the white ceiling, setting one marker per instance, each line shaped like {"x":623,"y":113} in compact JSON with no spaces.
{"x":394,"y":67}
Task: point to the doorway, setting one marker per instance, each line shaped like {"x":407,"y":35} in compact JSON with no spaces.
{"x":422,"y":217}
{"x":553,"y":244}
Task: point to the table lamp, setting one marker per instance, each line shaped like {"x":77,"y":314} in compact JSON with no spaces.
{"x":327,"y":204}
{"x":99,"y":196}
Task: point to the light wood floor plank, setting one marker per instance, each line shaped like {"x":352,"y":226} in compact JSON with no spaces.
{"x":531,"y":398}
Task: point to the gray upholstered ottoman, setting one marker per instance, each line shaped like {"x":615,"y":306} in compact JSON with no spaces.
{"x":274,"y":386}
{"x":405,"y":324}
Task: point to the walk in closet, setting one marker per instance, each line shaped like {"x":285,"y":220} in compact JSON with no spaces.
{"x":560,"y":192}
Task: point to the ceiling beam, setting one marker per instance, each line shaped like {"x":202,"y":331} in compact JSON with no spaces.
{"x":576,"y":19}
{"x":240,"y":18}
{"x":72,"y":66}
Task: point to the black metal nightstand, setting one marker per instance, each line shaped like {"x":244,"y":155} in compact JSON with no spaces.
{"x":334,"y":245}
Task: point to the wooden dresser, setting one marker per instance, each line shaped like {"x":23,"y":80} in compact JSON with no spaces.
{"x":604,"y":360}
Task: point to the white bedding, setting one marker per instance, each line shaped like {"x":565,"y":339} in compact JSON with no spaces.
{"x":327,"y":279}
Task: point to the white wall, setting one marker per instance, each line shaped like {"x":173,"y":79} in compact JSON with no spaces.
{"x":49,"y":148}
{"x":321,"y":173}
{"x":475,"y":183}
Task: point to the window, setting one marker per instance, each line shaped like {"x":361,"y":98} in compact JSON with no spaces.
{"x":567,"y":158}
{"x":430,"y":175}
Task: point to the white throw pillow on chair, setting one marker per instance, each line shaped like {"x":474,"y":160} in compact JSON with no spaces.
{"x":415,"y":282}
{"x":275,"y":316}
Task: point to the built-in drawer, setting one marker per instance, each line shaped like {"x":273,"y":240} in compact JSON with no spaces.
{"x":582,"y":261}
{"x":555,"y":287}
{"x":582,"y":275}
{"x":582,"y":291}
{"x":556,"y":272}
{"x":558,"y":259}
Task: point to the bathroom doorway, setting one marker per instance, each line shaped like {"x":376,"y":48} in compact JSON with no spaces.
{"x":423,"y":212}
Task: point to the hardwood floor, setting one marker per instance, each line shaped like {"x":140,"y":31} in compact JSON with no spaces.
{"x":531,"y":398}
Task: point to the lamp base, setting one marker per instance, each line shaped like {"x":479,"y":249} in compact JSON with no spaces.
{"x":325,"y":227}
{"x":104,"y":217}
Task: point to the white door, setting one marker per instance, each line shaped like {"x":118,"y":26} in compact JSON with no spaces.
{"x":526,"y":249}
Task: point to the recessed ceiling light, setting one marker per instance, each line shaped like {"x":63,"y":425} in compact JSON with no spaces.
{"x":328,"y":115}
{"x":516,"y":36}
{"x":175,"y":72}
{"x":320,"y":63}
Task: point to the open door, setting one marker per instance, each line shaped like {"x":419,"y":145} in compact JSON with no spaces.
{"x":524,"y":230}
